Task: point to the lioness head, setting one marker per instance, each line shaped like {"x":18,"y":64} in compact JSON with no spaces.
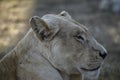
{"x":68,"y":45}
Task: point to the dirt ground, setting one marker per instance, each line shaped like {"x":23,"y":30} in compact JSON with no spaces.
{"x":105,"y":26}
{"x":14,"y":17}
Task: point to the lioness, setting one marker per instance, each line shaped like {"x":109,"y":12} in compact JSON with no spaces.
{"x":55,"y":47}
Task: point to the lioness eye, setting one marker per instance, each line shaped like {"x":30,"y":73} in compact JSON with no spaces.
{"x":80,"y":37}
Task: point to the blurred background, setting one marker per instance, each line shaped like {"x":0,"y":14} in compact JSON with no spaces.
{"x":102,"y":17}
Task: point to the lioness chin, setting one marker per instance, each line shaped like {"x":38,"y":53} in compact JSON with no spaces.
{"x":55,"y":47}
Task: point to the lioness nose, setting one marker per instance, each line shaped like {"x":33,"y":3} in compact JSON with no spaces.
{"x":103,"y":54}
{"x":102,"y":51}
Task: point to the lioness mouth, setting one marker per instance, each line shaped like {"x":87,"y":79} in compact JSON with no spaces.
{"x":91,"y":69}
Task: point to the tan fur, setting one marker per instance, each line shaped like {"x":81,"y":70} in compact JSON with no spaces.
{"x":51,"y":51}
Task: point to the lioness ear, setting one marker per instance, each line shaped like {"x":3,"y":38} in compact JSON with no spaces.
{"x":65,"y":14}
{"x":41,"y":29}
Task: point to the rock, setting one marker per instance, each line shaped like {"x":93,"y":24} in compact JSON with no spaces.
{"x":116,"y":6}
{"x":110,"y":6}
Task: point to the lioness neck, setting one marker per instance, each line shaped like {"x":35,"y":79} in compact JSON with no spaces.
{"x":31,"y":58}
{"x":30,"y":45}
{"x":28,"y":61}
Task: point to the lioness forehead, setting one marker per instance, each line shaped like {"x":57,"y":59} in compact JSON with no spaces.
{"x":60,"y":21}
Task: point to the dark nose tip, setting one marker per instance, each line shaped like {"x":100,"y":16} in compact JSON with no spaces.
{"x":103,"y":54}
